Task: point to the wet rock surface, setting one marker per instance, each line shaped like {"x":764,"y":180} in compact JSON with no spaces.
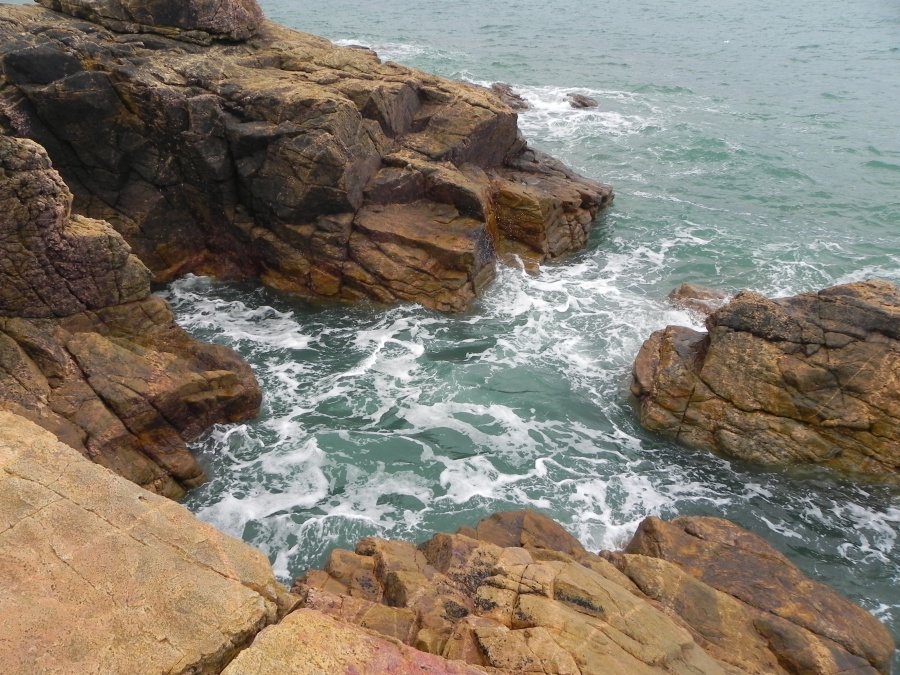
{"x":518,"y":594}
{"x":270,"y":157}
{"x":580,"y":101}
{"x":813,"y":378}
{"x":85,"y":350}
{"x":506,"y":94}
{"x":700,"y":300}
{"x":100,"y":576}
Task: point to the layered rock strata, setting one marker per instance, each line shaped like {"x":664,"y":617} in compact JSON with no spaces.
{"x":100,"y":576}
{"x":318,"y":168}
{"x":87,"y":352}
{"x":518,"y":594}
{"x":813,"y":378}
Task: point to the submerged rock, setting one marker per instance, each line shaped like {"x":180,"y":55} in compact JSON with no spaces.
{"x":87,"y":352}
{"x":579,"y":101}
{"x":315,"y":167}
{"x":518,"y":594}
{"x":100,"y":576}
{"x":811,"y":378}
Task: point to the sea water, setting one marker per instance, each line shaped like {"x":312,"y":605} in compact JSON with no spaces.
{"x":752,"y":144}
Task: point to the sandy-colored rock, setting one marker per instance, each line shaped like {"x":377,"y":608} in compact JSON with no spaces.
{"x":517,"y":594}
{"x":307,"y":642}
{"x":744,"y":566}
{"x":314,"y":167}
{"x":85,"y":350}
{"x":100,"y":576}
{"x":813,"y":378}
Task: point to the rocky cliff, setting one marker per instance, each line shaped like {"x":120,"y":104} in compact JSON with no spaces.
{"x":272,"y":153}
{"x":87,"y":352}
{"x":811,"y":378}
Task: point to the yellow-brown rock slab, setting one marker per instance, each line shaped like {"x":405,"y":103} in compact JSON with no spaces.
{"x":310,"y":643}
{"x":101,"y":576}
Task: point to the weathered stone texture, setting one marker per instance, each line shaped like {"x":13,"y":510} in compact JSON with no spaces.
{"x":317,"y":168}
{"x":100,"y":576}
{"x":198,"y":21}
{"x":518,"y":594}
{"x":811,"y":378}
{"x":87,"y":352}
{"x":311,"y":643}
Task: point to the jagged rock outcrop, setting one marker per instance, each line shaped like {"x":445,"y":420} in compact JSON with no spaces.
{"x":517,"y":594}
{"x":315,"y":167}
{"x":87,"y":352}
{"x":812,"y":378}
{"x":100,"y":576}
{"x":198,"y":21}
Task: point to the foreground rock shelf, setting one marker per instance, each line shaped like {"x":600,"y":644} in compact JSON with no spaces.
{"x":102,"y":576}
{"x":277,"y":154}
{"x":813,"y":378}
{"x":87,"y":352}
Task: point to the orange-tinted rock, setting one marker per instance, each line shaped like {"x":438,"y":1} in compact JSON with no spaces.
{"x":813,"y":378}
{"x":517,"y":594}
{"x":744,"y":566}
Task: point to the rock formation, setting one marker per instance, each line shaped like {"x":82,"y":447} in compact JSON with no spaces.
{"x":580,"y":101}
{"x":518,"y":594}
{"x":317,"y":168}
{"x":699,"y":300}
{"x":100,"y":576}
{"x":87,"y":352}
{"x":198,"y":21}
{"x":811,"y":378}
{"x":506,"y":94}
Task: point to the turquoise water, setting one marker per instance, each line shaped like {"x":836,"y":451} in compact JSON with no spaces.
{"x":752,"y":145}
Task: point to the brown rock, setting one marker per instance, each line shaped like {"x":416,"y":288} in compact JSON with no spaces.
{"x":519,"y":595}
{"x":526,"y":528}
{"x":698,"y":299}
{"x":579,"y":101}
{"x":506,"y":94}
{"x":744,"y":566}
{"x":272,"y":158}
{"x":85,"y":350}
{"x":812,"y":378}
{"x":100,"y":576}
{"x":192,"y":20}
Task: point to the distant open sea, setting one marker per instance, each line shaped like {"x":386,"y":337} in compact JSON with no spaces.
{"x":752,"y":144}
